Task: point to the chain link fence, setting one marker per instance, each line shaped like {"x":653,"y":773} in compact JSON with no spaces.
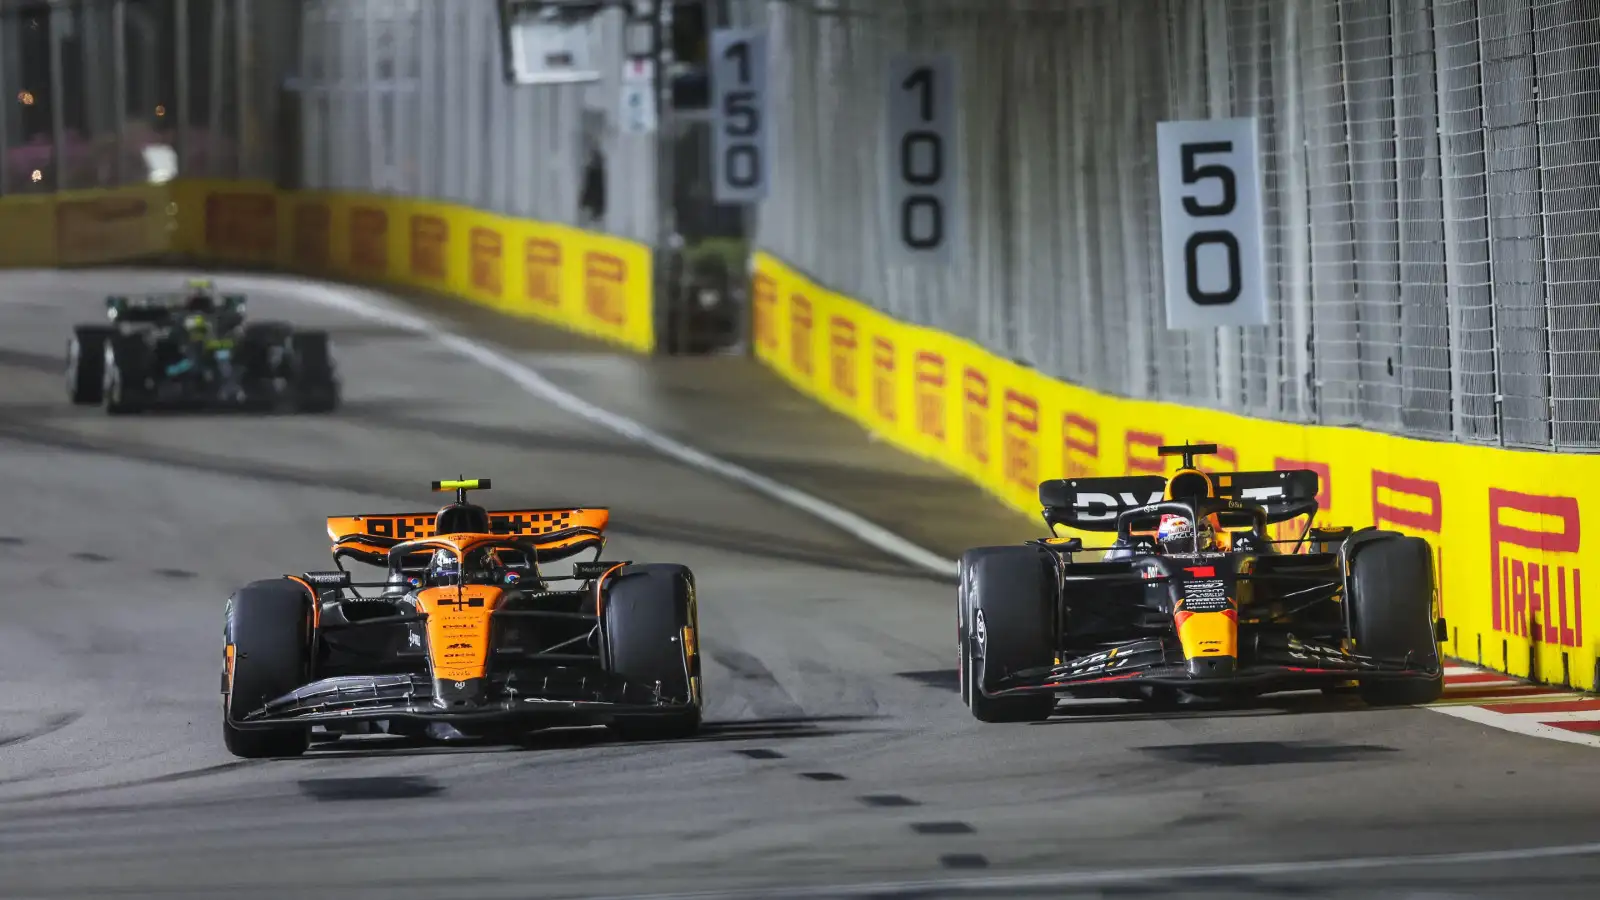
{"x":1432,"y":197}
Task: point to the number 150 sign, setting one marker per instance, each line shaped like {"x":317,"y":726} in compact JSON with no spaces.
{"x":1211,"y":223}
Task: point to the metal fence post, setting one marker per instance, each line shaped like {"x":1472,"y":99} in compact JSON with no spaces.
{"x":58,"y":106}
{"x":119,"y":85}
{"x":180,"y":62}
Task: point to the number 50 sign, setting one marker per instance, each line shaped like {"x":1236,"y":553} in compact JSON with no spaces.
{"x":1211,"y":223}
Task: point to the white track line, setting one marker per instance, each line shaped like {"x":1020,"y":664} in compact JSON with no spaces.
{"x":348,"y":300}
{"x":1144,"y":875}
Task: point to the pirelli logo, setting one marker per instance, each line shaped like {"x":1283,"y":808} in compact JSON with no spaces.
{"x":542,"y":262}
{"x":975,"y":406}
{"x":842,"y":348}
{"x":1020,"y":440}
{"x":430,"y":242}
{"x":369,"y":239}
{"x":800,"y":335}
{"x":1080,"y":446}
{"x":928,"y":392}
{"x":605,"y":279}
{"x":313,"y":232}
{"x":883,"y":381}
{"x":1415,"y":505}
{"x":1141,"y":453}
{"x":766,"y":312}
{"x":1537,"y":583}
{"x":487,"y":255}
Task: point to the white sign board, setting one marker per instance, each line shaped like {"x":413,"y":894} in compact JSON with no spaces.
{"x":1211,"y":225}
{"x":923,"y":221}
{"x":551,"y":43}
{"x":740,"y":148}
{"x":638,"y":96}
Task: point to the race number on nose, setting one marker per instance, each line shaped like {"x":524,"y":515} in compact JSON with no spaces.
{"x":1211,"y":224}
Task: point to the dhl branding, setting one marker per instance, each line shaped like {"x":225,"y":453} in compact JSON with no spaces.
{"x":486,"y":252}
{"x":1080,"y":446}
{"x":242,"y":225}
{"x":842,"y":352}
{"x":975,"y":405}
{"x":458,"y":628}
{"x":603,"y":278}
{"x":928,"y":392}
{"x":430,"y":240}
{"x":1530,"y":597}
{"x":1414,"y":505}
{"x":800,"y":335}
{"x":1139,"y":452}
{"x":313,"y":232}
{"x":765,"y":292}
{"x":542,"y":266}
{"x":369,"y":239}
{"x":883,"y":383}
{"x":1020,"y":440}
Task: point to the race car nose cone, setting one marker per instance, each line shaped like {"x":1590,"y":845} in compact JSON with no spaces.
{"x":457,"y":694}
{"x":1212,"y":667}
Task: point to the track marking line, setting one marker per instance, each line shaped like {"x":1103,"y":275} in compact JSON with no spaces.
{"x":1142,"y":875}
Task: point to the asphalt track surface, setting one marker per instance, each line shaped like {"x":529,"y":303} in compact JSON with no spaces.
{"x":837,"y":760}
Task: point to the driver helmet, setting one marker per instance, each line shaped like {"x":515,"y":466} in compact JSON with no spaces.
{"x":443,"y":569}
{"x":1176,"y":534}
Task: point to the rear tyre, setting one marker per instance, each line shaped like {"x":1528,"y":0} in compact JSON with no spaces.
{"x":1391,"y":605}
{"x":86,"y":364}
{"x":647,"y":609}
{"x":316,"y":388}
{"x":269,"y":628}
{"x":126,"y":364}
{"x":1005,"y":598}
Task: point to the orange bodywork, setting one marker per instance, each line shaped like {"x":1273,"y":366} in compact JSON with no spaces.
{"x":458,"y":628}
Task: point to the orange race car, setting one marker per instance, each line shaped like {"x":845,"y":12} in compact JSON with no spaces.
{"x":468,"y":633}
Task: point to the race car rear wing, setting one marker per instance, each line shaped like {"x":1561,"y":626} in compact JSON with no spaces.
{"x":398,"y":527}
{"x":1093,"y":504}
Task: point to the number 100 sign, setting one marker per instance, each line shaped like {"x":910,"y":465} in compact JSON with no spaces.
{"x":922,"y":158}
{"x":1211,"y":226}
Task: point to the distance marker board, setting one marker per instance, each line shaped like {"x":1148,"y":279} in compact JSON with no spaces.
{"x":923,"y":158}
{"x":1211,"y":224}
{"x":740,"y":139}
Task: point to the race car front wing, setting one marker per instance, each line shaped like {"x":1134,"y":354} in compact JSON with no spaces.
{"x":1278,"y":663}
{"x":352,"y":698}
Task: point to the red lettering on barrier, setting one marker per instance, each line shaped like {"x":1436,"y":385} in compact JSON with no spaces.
{"x":842,"y":344}
{"x":487,"y":252}
{"x":430,"y":238}
{"x":1020,"y":437}
{"x":928,"y":384}
{"x":975,"y":403}
{"x":800,"y":334}
{"x":1080,"y":446}
{"x":604,"y":288}
{"x":1522,"y":587}
{"x":541,"y":261}
{"x":883,"y":382}
{"x":765,"y":291}
{"x":1149,"y":463}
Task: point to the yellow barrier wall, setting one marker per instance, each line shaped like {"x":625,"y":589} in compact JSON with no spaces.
{"x":593,"y":284}
{"x":1507,"y":525}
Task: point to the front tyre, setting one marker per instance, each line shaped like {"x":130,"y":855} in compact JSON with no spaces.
{"x":1006,"y":598}
{"x":269,"y":632}
{"x":86,"y":364}
{"x":1391,"y":600}
{"x":650,"y":627}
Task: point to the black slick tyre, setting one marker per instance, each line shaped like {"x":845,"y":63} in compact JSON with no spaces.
{"x":269,"y":628}
{"x":1391,"y":608}
{"x":86,"y":364}
{"x":1006,"y":602}
{"x":316,"y":388}
{"x":647,"y":609}
{"x":125,"y":363}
